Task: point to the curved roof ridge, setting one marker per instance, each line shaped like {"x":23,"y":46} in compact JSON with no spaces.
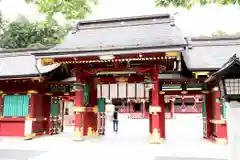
{"x":215,"y":38}
{"x":129,"y":18}
{"x":214,"y":41}
{"x":212,"y":45}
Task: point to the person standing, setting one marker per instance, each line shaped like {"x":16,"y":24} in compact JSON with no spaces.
{"x":109,"y":109}
{"x":115,"y":120}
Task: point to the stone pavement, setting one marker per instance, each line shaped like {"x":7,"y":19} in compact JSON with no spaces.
{"x":19,"y":154}
{"x":185,"y":158}
{"x":184,"y":143}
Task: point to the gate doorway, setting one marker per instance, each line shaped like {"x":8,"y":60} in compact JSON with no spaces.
{"x":189,"y":122}
{"x":130,"y":99}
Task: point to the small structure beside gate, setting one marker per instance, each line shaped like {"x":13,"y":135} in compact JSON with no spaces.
{"x":28,"y":105}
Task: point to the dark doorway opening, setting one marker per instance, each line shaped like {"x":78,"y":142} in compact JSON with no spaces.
{"x":137,"y":107}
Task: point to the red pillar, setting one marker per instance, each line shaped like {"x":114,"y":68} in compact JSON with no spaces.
{"x":144,"y":103}
{"x":183,"y":107}
{"x":90,"y":117}
{"x":32,"y":105}
{"x":131,"y":107}
{"x":128,"y":106}
{"x":195,"y":103}
{"x":47,"y":109}
{"x":79,"y":107}
{"x":101,"y":90}
{"x":209,"y":115}
{"x":220,"y":124}
{"x":85,"y":117}
{"x":162,"y":115}
{"x":1,"y":104}
{"x":144,"y":108}
{"x":172,"y":100}
{"x":123,"y":107}
{"x":156,"y":110}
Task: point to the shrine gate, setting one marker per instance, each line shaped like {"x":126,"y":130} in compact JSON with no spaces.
{"x":123,"y":56}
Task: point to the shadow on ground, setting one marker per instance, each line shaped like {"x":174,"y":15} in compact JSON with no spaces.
{"x":19,"y":154}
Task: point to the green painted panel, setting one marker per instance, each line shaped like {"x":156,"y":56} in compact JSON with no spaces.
{"x":86,"y":94}
{"x":171,"y":87}
{"x":178,"y":101}
{"x":101,"y":105}
{"x":16,"y":105}
{"x":177,"y":106}
{"x":54,"y":89}
{"x":55,"y":108}
{"x":147,"y":106}
{"x":224,"y":108}
{"x":195,"y":85}
{"x":204,"y":112}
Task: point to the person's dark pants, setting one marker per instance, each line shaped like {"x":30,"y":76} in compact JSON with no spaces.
{"x":115,"y":125}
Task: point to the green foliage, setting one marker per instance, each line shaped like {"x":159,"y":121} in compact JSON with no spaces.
{"x":2,"y":24}
{"x":219,"y":33}
{"x":71,"y":9}
{"x":23,"y":34}
{"x":35,"y":45}
{"x":1,"y":21}
{"x":188,"y":4}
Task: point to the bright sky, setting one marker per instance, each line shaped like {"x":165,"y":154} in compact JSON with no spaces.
{"x":198,"y":21}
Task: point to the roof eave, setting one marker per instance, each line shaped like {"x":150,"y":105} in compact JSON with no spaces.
{"x":132,"y":18}
{"x":210,"y":79}
{"x":100,"y":52}
{"x":226,"y":69}
{"x":215,"y":38}
{"x":203,"y":69}
{"x":25,"y":76}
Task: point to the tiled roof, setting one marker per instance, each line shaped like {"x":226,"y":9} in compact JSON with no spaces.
{"x":210,"y":53}
{"x":142,"y":31}
{"x":23,"y":66}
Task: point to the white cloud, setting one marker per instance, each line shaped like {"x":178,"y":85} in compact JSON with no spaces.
{"x":198,"y":21}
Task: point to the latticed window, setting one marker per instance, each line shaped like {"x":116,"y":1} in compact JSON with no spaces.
{"x":232,"y":86}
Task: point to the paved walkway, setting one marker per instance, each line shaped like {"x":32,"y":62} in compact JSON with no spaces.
{"x":183,"y":140}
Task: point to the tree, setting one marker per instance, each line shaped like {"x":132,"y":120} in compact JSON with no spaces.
{"x":71,"y":9}
{"x":2,"y":23}
{"x":23,"y":34}
{"x":219,"y":33}
{"x":190,"y":3}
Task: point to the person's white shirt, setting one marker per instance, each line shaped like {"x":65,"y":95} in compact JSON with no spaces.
{"x":109,"y":109}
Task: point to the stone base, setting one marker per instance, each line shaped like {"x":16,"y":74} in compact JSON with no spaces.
{"x":78,"y":139}
{"x":29,"y":137}
{"x":157,"y":141}
{"x":221,"y":140}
